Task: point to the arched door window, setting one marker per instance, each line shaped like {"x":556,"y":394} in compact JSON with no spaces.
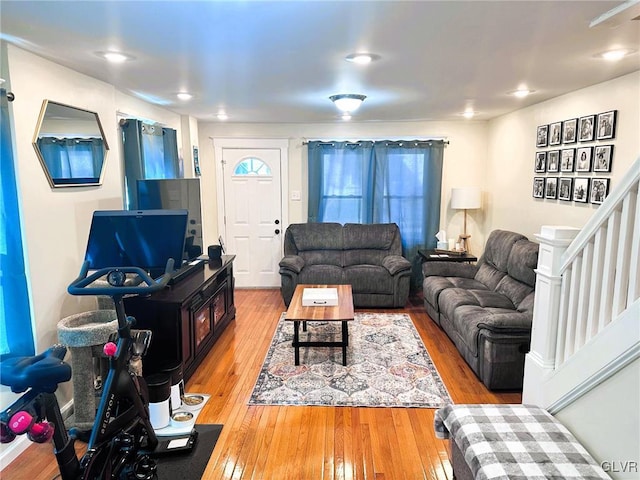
{"x":252,"y":166}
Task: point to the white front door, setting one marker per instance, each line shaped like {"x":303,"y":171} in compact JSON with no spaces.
{"x":252,"y":213}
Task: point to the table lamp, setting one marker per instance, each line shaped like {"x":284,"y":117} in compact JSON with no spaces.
{"x":465,"y":198}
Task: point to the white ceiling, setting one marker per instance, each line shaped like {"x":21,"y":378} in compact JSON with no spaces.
{"x":279,"y":61}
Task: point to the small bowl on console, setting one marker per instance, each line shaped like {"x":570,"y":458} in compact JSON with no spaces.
{"x":192,"y":402}
{"x":183,"y":420}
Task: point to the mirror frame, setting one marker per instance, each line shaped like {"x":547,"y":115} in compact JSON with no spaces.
{"x":43,"y":163}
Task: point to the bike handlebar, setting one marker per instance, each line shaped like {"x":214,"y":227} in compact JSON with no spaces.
{"x":80,"y":286}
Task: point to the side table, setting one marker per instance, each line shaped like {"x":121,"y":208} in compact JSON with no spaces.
{"x":443,"y":256}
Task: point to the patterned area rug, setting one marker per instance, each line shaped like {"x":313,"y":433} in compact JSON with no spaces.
{"x":387,"y":366}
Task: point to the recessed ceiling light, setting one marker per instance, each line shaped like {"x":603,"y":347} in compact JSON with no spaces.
{"x":222,"y":116}
{"x":469,"y":113}
{"x":361,"y":58}
{"x":346,"y":117}
{"x":615,"y":55}
{"x":521,"y":92}
{"x":184,"y":96}
{"x":115,"y":57}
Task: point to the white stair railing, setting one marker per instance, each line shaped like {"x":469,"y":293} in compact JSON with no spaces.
{"x":585,"y":281}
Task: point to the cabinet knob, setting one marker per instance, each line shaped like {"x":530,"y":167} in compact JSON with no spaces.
{"x":277,"y":222}
{"x":277,"y":231}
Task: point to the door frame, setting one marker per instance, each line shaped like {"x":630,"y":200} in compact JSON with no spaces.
{"x":221,"y":143}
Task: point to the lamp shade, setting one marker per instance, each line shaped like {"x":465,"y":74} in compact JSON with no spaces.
{"x":466,"y":198}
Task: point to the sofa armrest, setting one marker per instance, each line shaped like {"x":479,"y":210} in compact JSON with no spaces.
{"x":396,"y":264}
{"x":292,"y":262}
{"x":449,"y":269}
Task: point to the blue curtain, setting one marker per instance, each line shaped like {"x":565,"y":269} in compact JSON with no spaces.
{"x":150,"y":152}
{"x":16,"y":335}
{"x":73,"y":160}
{"x":379,"y":182}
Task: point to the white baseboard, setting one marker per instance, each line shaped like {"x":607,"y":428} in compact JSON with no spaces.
{"x":11,"y":451}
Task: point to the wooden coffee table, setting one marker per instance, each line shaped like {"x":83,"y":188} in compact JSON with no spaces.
{"x":343,"y":312}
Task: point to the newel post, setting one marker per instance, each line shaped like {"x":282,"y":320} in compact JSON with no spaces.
{"x":540,"y":361}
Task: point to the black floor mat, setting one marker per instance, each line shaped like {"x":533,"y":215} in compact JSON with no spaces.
{"x":191,"y":466}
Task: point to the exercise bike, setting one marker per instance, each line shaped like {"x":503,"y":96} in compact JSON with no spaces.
{"x":122,"y":443}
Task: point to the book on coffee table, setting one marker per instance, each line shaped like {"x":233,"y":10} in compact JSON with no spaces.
{"x":320,"y":297}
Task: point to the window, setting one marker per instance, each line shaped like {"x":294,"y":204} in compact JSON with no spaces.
{"x":16,"y":337}
{"x":379,"y":182}
{"x":252,"y":166}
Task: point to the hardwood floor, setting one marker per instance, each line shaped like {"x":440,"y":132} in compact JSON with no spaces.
{"x":306,"y":443}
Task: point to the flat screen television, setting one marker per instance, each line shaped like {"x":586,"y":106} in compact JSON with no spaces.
{"x":139,"y":238}
{"x":176,"y":193}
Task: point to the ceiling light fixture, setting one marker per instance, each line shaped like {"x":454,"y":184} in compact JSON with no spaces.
{"x":115,"y":57}
{"x":521,"y":92}
{"x":184,"y":96}
{"x":347,"y":102}
{"x":468,"y":113}
{"x":361,"y":58}
{"x":346,"y":117}
{"x":615,"y":55}
{"x":222,"y":116}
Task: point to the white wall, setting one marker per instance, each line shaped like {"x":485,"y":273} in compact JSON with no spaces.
{"x":511,"y":153}
{"x":464,"y":160}
{"x":616,"y":421}
{"x":56,"y":221}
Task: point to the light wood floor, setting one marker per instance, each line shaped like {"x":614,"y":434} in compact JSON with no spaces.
{"x":306,"y":443}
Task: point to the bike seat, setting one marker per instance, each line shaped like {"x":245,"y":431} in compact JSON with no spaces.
{"x":41,"y":372}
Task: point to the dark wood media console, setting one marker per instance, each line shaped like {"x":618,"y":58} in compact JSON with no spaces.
{"x":187,"y":318}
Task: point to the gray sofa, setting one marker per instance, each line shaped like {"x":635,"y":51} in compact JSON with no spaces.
{"x":368,"y":257}
{"x":487,"y":309}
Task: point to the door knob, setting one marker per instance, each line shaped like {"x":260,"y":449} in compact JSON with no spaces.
{"x":277,"y":231}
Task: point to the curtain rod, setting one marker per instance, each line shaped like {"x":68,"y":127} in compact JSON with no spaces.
{"x":392,"y":140}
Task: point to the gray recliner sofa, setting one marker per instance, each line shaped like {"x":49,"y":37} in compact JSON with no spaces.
{"x":487,"y":309}
{"x":368,"y":257}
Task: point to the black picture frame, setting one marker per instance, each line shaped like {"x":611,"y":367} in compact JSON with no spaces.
{"x":553,"y":161}
{"x":565,"y":188}
{"x":542,"y":135}
{"x":538,"y":187}
{"x":586,"y":128}
{"x":570,"y":131}
{"x":551,"y":187}
{"x":599,"y":190}
{"x":541,"y":162}
{"x":602,"y":158}
{"x":606,"y":125}
{"x":583,"y":159}
{"x":580,"y":190}
{"x":555,"y":133}
{"x":567,"y":159}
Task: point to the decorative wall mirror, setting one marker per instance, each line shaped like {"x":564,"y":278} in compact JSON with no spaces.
{"x":71,"y":145}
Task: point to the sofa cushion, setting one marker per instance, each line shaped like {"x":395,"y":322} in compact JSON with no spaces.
{"x":513,"y":289}
{"x":470,"y":320}
{"x":489,"y":275}
{"x":378,"y":236}
{"x":370,"y":244}
{"x":433,"y":286}
{"x":523,"y":259}
{"x":498,"y":248}
{"x":321,"y":275}
{"x":315,"y":236}
{"x":322,"y":257}
{"x":453,"y":298}
{"x":369,"y":279}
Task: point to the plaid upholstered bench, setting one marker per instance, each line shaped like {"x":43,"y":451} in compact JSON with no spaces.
{"x":512,"y":442}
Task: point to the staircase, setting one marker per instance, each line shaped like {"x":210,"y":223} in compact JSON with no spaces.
{"x":586,"y":320}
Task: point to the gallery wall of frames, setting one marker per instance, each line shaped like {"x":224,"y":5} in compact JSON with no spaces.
{"x":574,"y":158}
